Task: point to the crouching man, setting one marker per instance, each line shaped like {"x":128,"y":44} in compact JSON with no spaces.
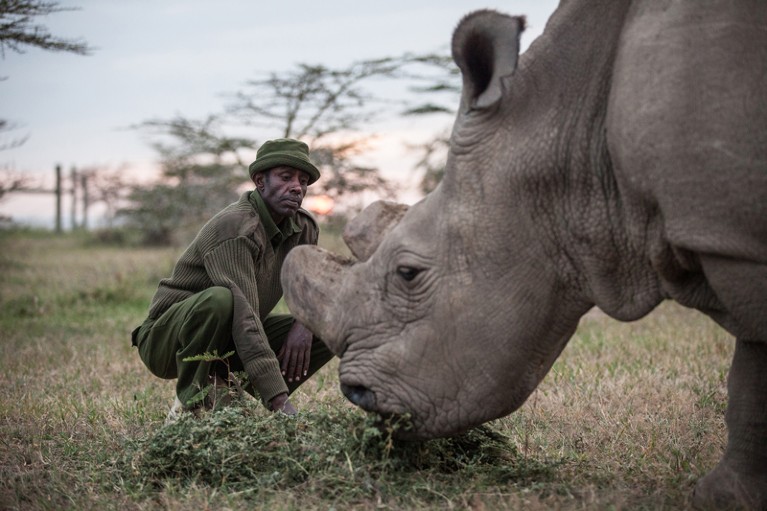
{"x":223,"y":287}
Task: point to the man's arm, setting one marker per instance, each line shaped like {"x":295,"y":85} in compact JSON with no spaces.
{"x":230,"y":264}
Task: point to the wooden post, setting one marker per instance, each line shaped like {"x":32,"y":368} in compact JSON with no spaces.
{"x":58,"y":199}
{"x":84,"y":187}
{"x":73,"y":210}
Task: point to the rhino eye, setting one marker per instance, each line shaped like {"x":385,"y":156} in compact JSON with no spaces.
{"x":407,"y":272}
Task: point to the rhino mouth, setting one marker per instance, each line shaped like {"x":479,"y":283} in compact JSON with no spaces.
{"x":399,"y":425}
{"x":360,"y":396}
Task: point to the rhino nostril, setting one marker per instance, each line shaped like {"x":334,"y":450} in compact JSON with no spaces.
{"x":360,"y":396}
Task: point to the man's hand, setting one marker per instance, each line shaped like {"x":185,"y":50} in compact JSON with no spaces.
{"x":280,"y":403}
{"x":295,"y":352}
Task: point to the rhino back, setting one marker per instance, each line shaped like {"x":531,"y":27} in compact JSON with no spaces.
{"x":687,"y":123}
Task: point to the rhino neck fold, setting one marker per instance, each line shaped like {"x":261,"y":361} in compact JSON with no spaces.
{"x":589,"y":227}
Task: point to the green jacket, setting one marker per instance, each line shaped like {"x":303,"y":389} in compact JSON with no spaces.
{"x":242,"y":249}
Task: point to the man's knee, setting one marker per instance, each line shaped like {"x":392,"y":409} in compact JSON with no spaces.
{"x":215,"y":301}
{"x":207,"y":324}
{"x":208,"y":316}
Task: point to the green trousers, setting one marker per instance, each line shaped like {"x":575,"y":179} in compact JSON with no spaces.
{"x":201,"y":324}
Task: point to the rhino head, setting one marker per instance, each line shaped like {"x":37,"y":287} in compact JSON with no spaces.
{"x":449,"y":311}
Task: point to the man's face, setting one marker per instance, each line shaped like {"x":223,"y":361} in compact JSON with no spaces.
{"x":283,"y":190}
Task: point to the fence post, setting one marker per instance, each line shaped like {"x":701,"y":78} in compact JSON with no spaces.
{"x":84,"y":188}
{"x":58,"y":199}
{"x":73,"y":210}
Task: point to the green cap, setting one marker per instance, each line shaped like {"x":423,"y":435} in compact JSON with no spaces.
{"x":287,"y":152}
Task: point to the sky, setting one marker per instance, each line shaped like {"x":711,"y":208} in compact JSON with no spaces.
{"x":155,"y":59}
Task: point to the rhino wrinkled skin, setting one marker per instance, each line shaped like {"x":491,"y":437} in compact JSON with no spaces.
{"x":619,"y":162}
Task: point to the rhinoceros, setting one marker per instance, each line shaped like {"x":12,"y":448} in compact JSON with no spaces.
{"x":620,"y":161}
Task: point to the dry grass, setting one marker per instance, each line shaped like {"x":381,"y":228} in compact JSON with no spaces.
{"x":630,"y":416}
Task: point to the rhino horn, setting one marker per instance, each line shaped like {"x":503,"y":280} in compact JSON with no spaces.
{"x":364,"y":233}
{"x":311,"y":278}
{"x":486,"y":49}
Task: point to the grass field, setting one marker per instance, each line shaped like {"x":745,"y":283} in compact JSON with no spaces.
{"x":629,"y":417}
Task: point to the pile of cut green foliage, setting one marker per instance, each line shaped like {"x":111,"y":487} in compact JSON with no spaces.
{"x":241,"y":448}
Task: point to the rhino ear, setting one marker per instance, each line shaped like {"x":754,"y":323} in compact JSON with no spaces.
{"x":486,"y":49}
{"x":365,"y":232}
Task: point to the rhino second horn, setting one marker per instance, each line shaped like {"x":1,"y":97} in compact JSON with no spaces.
{"x":364,"y":233}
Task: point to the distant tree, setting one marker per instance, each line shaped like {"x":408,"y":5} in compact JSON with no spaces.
{"x":327,"y":107}
{"x":19,"y":30}
{"x":331,"y":109}
{"x":184,"y":139}
{"x":5,"y":127}
{"x":200,"y":171}
{"x":101,"y":185}
{"x":156,"y":212}
{"x":11,"y":182}
{"x":346,"y":181}
{"x":432,"y":160}
{"x":438,"y":79}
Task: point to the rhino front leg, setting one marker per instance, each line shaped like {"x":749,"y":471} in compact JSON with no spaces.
{"x":739,"y":481}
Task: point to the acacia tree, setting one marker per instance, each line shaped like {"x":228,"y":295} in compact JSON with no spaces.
{"x":19,"y":30}
{"x":100,"y":185}
{"x":331,"y":109}
{"x":7,"y":126}
{"x":200,"y":168}
{"x":438,"y":80}
{"x":11,"y":182}
{"x":328,"y":107}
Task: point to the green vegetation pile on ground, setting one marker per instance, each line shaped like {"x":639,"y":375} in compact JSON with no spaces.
{"x":629,"y":417}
